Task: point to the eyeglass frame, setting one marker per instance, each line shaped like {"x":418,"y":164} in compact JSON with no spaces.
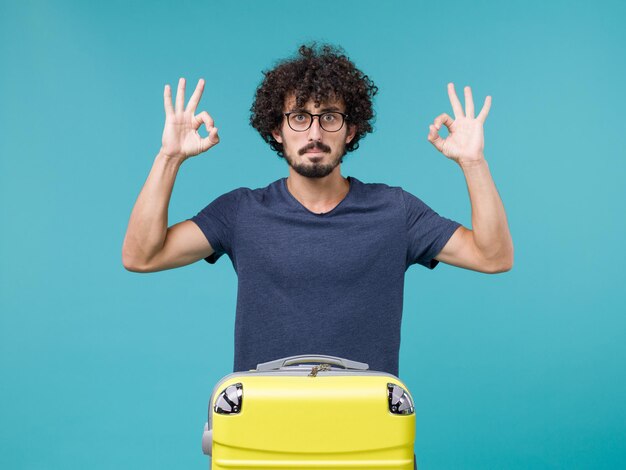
{"x":343,"y":115}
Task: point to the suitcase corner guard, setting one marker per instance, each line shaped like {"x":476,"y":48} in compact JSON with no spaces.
{"x":207,"y":439}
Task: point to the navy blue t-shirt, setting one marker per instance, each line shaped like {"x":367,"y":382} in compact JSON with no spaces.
{"x":322,"y":283}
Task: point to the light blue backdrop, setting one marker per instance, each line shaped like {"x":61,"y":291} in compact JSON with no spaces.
{"x":102,"y":368}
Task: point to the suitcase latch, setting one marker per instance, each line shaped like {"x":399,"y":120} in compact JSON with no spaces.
{"x":319,"y":368}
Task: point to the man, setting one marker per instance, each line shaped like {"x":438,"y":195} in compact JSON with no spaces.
{"x":320,"y":258}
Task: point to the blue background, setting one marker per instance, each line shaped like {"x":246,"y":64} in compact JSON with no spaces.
{"x":104,"y":368}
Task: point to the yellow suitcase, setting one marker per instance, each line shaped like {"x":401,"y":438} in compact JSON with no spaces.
{"x":310,"y":411}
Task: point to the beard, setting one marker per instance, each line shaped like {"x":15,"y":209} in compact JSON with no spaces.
{"x":314,"y":169}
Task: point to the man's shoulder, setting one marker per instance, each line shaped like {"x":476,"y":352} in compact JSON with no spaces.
{"x":244,"y":196}
{"x":377,"y":188}
{"x":259,"y":191}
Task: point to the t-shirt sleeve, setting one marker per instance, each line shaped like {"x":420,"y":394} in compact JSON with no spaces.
{"x":427,"y":231}
{"x":217,"y":222}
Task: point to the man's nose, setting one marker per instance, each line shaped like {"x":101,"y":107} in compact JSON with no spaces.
{"x":315,"y":131}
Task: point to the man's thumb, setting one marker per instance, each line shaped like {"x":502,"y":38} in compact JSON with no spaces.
{"x":212,"y":139}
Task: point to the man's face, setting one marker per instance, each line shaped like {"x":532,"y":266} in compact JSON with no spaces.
{"x":314,"y":153}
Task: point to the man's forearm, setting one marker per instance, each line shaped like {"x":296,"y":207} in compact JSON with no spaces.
{"x":489,"y":223}
{"x":147,"y":226}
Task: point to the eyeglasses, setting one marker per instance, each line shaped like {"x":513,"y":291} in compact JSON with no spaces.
{"x":301,"y":121}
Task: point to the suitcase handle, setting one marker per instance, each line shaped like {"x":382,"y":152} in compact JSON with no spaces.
{"x":292,"y":360}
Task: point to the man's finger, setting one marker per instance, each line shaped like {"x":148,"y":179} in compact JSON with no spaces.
{"x":205,"y":118}
{"x":434,"y":138}
{"x":212,"y":139}
{"x":485,"y":111}
{"x":444,"y":119}
{"x":180,"y":96}
{"x":469,"y":103}
{"x":167,"y":100}
{"x":195,"y":98}
{"x":454,"y":100}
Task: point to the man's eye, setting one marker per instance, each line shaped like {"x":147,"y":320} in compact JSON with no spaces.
{"x":299,"y":117}
{"x":329,"y":117}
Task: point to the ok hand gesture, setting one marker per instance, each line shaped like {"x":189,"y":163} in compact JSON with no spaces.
{"x":180,"y":135}
{"x":465,"y":142}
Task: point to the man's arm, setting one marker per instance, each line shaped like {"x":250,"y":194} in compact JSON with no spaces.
{"x":149,"y":245}
{"x":488,"y":247}
{"x":147,"y":227}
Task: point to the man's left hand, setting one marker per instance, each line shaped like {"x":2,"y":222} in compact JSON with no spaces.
{"x":465,"y":141}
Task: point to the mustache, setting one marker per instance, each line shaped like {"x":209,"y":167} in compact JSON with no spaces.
{"x":314,"y":145}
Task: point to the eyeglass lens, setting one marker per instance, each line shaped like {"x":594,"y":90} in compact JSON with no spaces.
{"x":330,"y":122}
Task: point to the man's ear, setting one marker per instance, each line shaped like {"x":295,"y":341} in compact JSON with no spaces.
{"x":351,"y":133}
{"x":277,"y":137}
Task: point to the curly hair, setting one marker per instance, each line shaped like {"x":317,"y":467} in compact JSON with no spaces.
{"x":321,"y":75}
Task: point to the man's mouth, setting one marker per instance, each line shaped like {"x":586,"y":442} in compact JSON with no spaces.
{"x":317,"y":149}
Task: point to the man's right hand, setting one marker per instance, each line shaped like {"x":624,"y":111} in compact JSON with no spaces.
{"x":181,"y":139}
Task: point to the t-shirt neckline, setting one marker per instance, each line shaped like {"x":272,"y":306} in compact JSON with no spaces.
{"x":293,"y":200}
